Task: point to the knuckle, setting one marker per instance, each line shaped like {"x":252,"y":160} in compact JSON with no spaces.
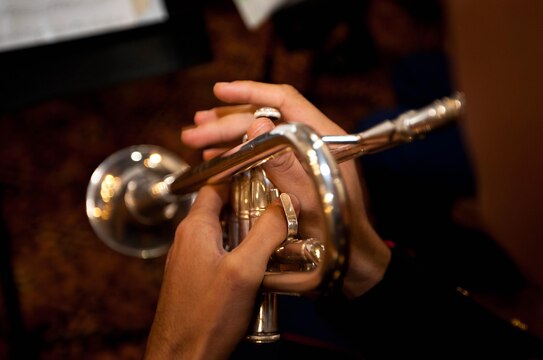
{"x":184,"y":229}
{"x":289,"y":89}
{"x":235,"y":274}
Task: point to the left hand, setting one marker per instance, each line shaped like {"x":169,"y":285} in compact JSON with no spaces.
{"x":208,"y":294}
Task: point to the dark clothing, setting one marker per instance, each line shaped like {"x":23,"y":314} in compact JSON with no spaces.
{"x":422,"y":308}
{"x":415,"y":314}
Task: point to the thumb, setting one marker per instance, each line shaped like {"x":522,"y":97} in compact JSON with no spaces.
{"x":266,"y":234}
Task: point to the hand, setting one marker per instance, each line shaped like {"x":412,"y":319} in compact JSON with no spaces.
{"x":222,"y":125}
{"x":369,"y":255}
{"x":208,"y":294}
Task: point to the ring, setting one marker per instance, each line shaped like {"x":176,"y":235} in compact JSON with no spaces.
{"x":290,"y":214}
{"x":267,"y":112}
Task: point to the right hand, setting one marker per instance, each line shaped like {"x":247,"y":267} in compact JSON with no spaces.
{"x":369,"y":256}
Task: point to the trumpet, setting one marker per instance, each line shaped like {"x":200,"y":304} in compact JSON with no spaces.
{"x":137,"y":196}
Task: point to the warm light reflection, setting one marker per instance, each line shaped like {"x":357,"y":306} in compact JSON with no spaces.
{"x":328,"y":205}
{"x":109,"y":187}
{"x":136,"y":156}
{"x":169,"y":179}
{"x":153,"y":161}
{"x":106,"y":212}
{"x":170,"y":211}
{"x":100,"y":213}
{"x":318,"y":252}
{"x":160,"y":188}
{"x":313,"y":161}
{"x":97,"y":212}
{"x":519,"y":324}
{"x":312,"y":156}
{"x":318,"y":143}
{"x":325,"y":170}
{"x":457,"y":104}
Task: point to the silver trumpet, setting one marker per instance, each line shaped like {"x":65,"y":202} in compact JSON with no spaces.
{"x":138,"y":195}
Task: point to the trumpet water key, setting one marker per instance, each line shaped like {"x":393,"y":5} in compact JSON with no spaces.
{"x":138,"y":195}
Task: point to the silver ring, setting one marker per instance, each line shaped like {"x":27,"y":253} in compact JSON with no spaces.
{"x":290,"y":214}
{"x":267,"y":112}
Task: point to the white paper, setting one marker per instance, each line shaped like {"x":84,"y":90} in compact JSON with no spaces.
{"x":255,"y":12}
{"x":33,"y":22}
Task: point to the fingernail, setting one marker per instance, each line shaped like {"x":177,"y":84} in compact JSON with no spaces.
{"x":259,"y":127}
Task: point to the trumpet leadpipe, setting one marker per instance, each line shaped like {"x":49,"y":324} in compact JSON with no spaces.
{"x":407,"y":127}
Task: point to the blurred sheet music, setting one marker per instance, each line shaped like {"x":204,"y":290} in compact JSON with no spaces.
{"x":255,"y":12}
{"x":37,"y":22}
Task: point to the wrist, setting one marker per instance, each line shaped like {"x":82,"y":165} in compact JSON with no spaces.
{"x":368,"y":264}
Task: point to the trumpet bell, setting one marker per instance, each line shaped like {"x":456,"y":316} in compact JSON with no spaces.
{"x":123,"y":212}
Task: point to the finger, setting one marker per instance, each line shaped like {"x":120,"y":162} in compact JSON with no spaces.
{"x":208,"y":154}
{"x":285,"y":171}
{"x":293,"y":106}
{"x":209,"y":202}
{"x":258,"y":127}
{"x":283,"y":166}
{"x":205,"y":116}
{"x":266,"y":234}
{"x":225,"y":129}
{"x":203,"y":216}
